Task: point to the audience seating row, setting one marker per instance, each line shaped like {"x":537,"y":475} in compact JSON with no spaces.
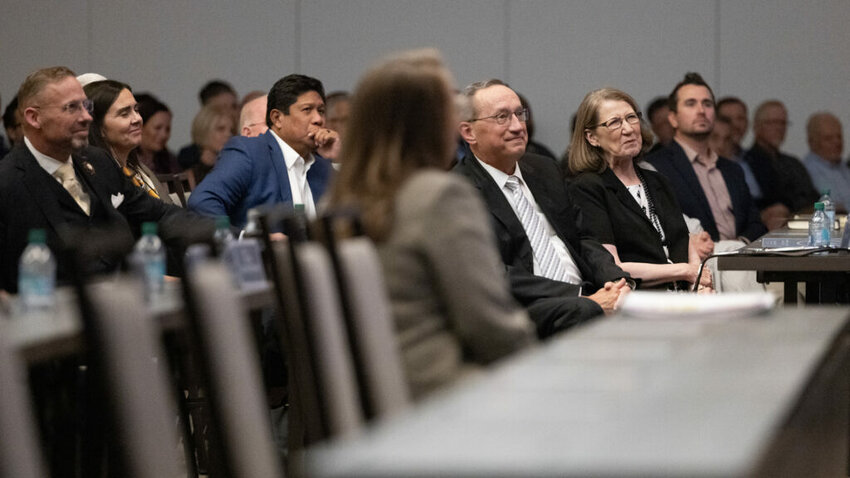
{"x":336,"y":334}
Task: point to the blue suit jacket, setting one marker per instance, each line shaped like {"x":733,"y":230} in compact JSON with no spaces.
{"x":673,"y":163}
{"x":251,"y":172}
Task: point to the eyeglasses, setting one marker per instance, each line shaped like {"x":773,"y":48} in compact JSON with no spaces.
{"x":74,"y":108}
{"x":614,"y":124}
{"x":503,"y":117}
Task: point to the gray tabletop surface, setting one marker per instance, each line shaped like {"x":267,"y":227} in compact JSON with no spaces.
{"x":619,"y":397}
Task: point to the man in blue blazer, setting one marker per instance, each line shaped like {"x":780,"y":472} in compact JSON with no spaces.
{"x":709,"y":188}
{"x":290,"y":163}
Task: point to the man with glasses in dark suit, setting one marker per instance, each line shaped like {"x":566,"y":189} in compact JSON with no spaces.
{"x":562,"y":279}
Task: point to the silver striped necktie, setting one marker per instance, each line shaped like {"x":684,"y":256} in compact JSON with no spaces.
{"x":550,"y":264}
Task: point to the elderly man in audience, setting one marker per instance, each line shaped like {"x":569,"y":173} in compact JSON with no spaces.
{"x":560,"y":277}
{"x":709,"y":187}
{"x":826,"y":143}
{"x":252,"y":118}
{"x":290,"y":163}
{"x":55,"y":182}
{"x":784,"y":183}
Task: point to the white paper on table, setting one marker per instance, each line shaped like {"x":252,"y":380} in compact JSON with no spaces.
{"x":665,"y":305}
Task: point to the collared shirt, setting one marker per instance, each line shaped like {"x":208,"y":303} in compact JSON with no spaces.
{"x":714,"y":187}
{"x":46,"y":162}
{"x":296,"y":168}
{"x":832,"y":176}
{"x":573,"y":273}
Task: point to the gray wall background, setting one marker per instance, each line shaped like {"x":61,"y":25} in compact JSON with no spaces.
{"x":552,"y":51}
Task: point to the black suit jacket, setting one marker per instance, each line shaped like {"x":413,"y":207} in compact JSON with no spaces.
{"x":614,"y":217}
{"x":31,"y":198}
{"x":782,"y":179}
{"x":673,"y":163}
{"x":596,"y":265}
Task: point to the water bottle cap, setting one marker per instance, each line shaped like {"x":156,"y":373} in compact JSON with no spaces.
{"x":149,"y":228}
{"x":37,"y":236}
{"x":818,"y":206}
{"x":222,"y":222}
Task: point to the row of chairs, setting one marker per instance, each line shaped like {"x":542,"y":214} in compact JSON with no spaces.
{"x":343,"y":363}
{"x":337,"y":338}
{"x":179,"y":184}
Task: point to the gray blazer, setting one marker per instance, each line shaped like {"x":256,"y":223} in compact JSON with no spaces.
{"x":447,"y":287}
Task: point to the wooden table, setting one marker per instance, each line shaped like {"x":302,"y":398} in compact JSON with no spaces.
{"x":826,"y":274}
{"x":763,"y":396}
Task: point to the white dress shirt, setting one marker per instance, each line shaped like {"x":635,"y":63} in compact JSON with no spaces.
{"x":573,"y":273}
{"x":46,"y":162}
{"x":296,"y":168}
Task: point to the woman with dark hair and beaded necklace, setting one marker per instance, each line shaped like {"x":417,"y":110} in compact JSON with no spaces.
{"x":632,"y":211}
{"x":117,"y":127}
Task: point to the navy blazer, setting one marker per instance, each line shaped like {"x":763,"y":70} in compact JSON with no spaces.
{"x":673,"y":163}
{"x":251,"y":172}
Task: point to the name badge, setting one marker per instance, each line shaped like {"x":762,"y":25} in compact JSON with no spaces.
{"x":245,"y":262}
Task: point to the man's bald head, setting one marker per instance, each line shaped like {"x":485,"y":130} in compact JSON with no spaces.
{"x":252,"y":119}
{"x":825,"y":136}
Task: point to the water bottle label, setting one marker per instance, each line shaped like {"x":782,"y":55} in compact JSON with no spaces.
{"x":37,"y":292}
{"x":154,"y":278}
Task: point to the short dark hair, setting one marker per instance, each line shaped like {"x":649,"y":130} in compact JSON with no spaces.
{"x":286,"y":91}
{"x":691,"y":78}
{"x":214,"y":88}
{"x":656,"y":104}
{"x":150,"y":105}
{"x":730,"y":100}
{"x":9,"y":113}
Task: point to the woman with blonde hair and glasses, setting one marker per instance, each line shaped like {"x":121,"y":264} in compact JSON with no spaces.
{"x":632,"y":211}
{"x":448,"y":293}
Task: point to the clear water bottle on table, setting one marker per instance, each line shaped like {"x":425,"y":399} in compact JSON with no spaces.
{"x":149,"y":259}
{"x":819,"y":227}
{"x":37,"y":275}
{"x":828,"y":207}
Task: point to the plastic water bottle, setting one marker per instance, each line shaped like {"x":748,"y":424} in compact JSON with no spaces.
{"x":828,"y":207}
{"x":819,"y":230}
{"x":150,"y":262}
{"x":37,"y":275}
{"x":222,"y":236}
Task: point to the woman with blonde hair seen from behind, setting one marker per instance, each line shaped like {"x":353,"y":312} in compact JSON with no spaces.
{"x":632,"y":211}
{"x":448,"y":295}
